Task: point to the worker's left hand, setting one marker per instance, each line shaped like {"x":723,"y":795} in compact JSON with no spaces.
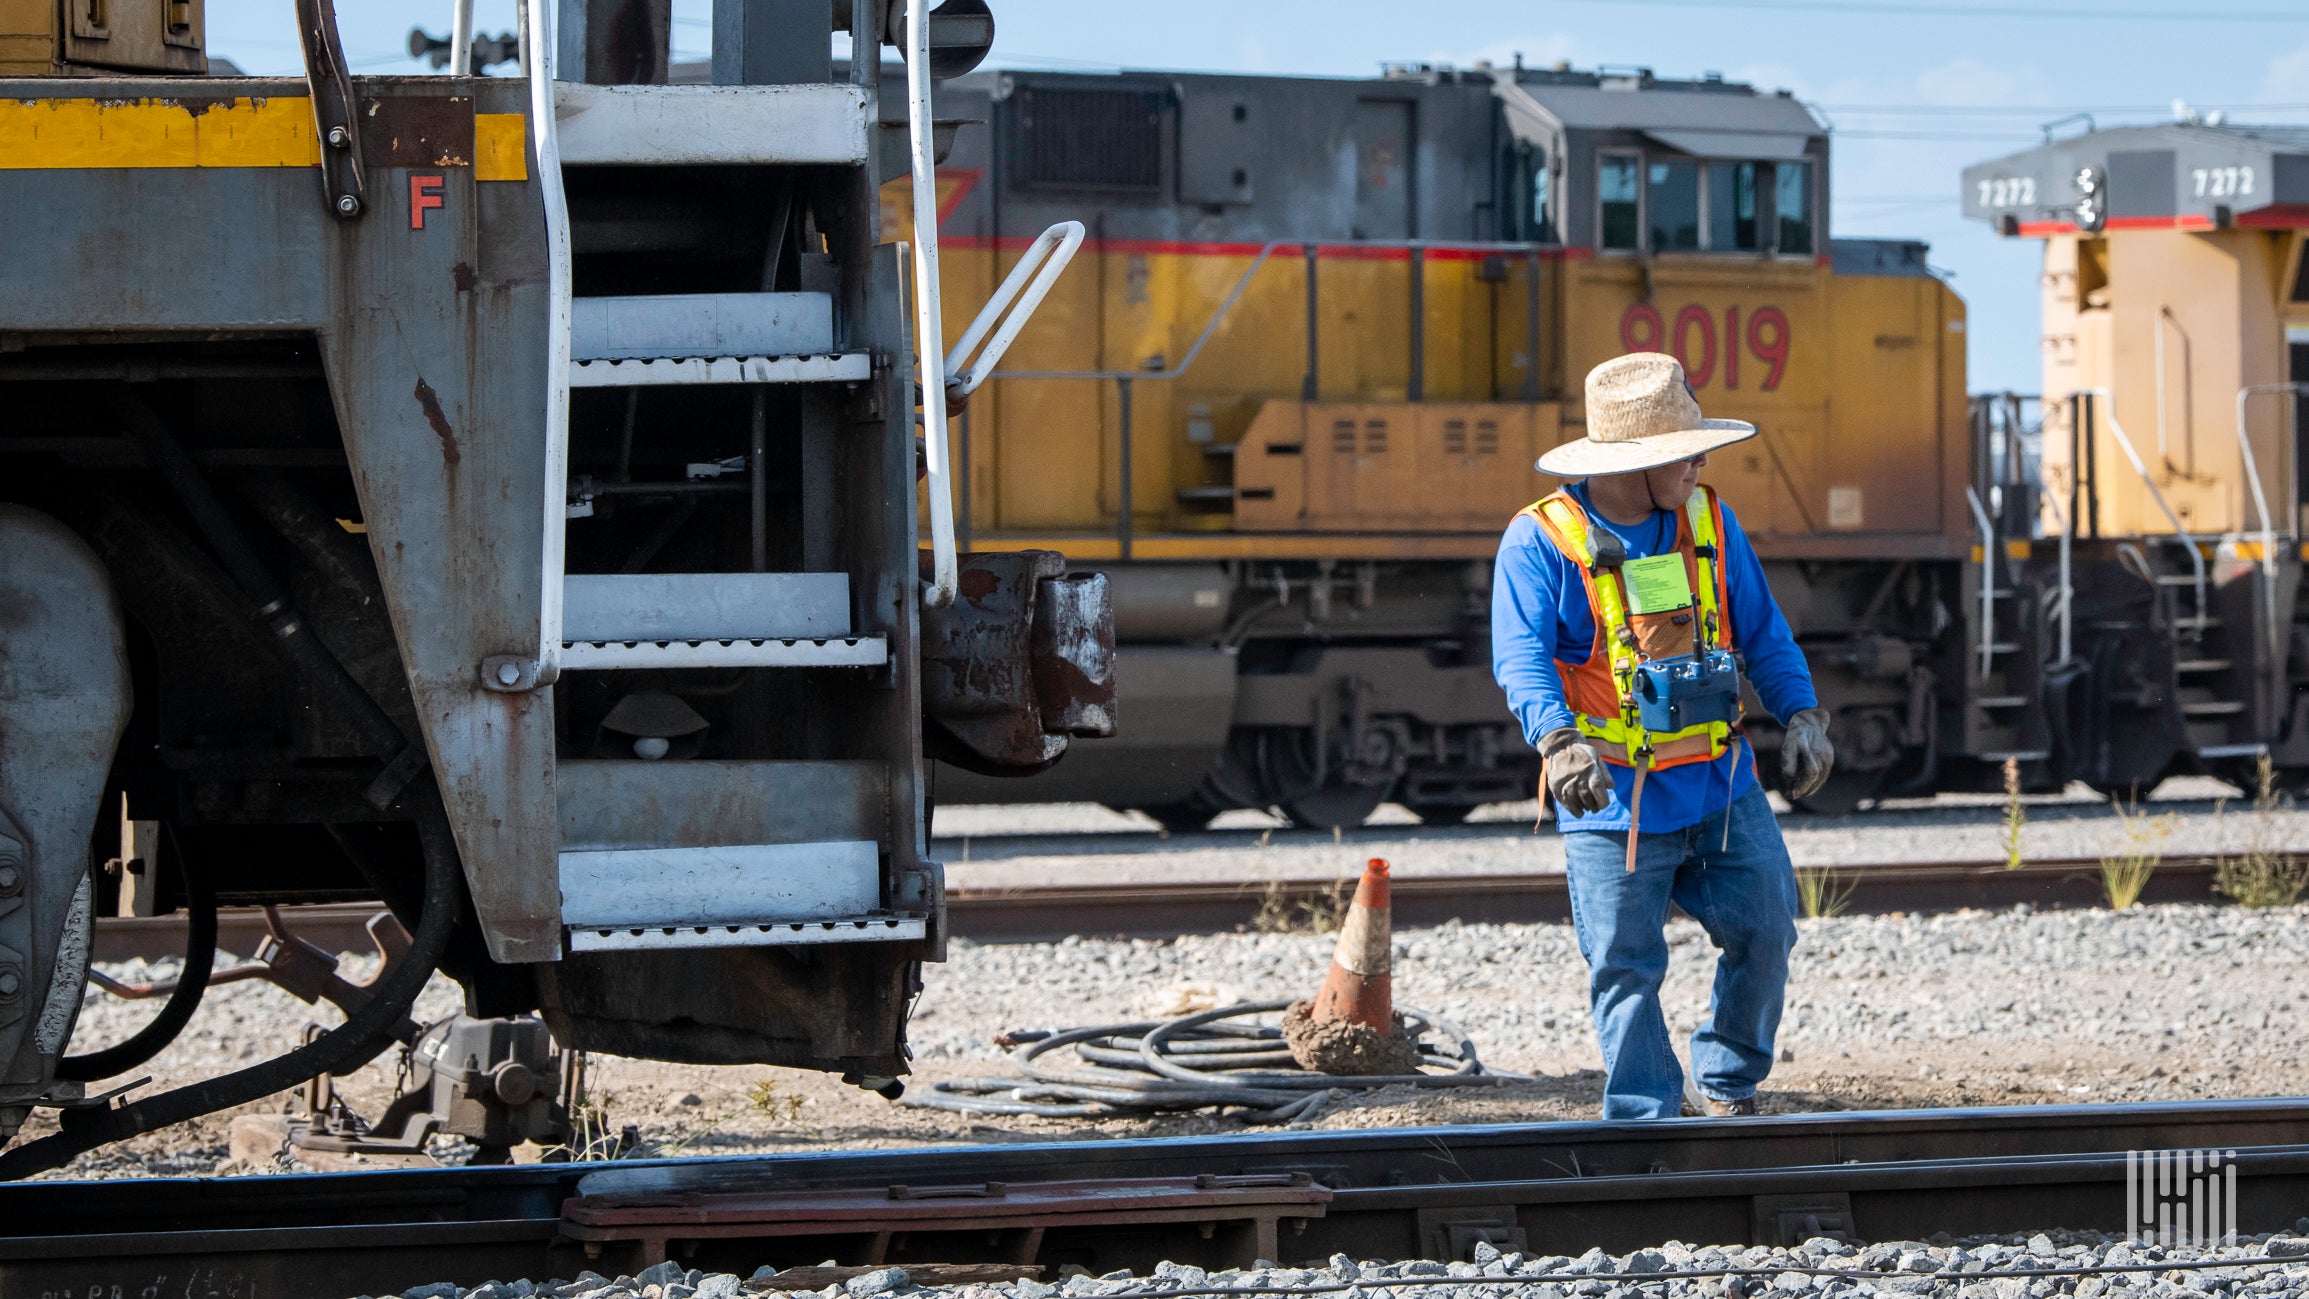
{"x":1806,"y":756}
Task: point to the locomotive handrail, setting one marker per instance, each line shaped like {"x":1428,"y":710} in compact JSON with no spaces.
{"x":1043,"y":261}
{"x":929,"y":324}
{"x":1987,"y":580}
{"x":461,"y":38}
{"x":2261,"y":506}
{"x":1123,"y":378}
{"x":2180,"y":531}
{"x":537,"y":62}
{"x":2067,"y":587}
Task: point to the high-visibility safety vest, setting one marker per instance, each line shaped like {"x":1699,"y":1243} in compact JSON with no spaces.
{"x":1600,"y":690}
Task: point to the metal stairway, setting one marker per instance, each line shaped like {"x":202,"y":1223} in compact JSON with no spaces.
{"x":773,"y":850}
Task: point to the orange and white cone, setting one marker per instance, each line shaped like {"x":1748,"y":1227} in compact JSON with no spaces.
{"x":1357,"y":988}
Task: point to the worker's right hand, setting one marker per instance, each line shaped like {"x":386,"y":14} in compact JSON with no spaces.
{"x":1575,"y":774}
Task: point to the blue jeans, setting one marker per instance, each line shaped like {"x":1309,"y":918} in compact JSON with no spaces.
{"x":1743,"y":892}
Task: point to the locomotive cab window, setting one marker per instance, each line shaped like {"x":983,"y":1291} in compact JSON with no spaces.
{"x":1732,"y":223}
{"x":1526,"y":202}
{"x":1617,"y":193}
{"x":1672,"y":203}
{"x":1792,"y":205}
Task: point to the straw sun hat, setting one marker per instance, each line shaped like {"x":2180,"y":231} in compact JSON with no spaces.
{"x":1641,"y":414}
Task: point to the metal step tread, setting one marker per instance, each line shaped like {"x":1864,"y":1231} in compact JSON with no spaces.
{"x":2212,"y":707}
{"x":2004,"y":647}
{"x":878,"y":926}
{"x":1206,"y":493}
{"x":843,"y":652}
{"x":680,"y":326}
{"x":844,"y":367}
{"x":2204,"y":665}
{"x":2017,"y":755}
{"x":694,"y":125}
{"x":2000,"y":701}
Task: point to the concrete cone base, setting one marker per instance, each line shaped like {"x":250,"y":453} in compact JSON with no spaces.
{"x":1347,"y":1048}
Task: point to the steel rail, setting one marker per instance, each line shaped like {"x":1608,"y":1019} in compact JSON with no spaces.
{"x":1046,"y":912}
{"x":1555,"y":1188}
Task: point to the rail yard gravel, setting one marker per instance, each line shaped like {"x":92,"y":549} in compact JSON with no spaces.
{"x":2035,"y":1265}
{"x":1969,"y":1008}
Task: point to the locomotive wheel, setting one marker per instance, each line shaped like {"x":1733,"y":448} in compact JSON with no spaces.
{"x":1442,"y":813}
{"x":1335,"y":807}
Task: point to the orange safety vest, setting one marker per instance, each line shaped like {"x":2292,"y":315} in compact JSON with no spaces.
{"x":1600,"y":690}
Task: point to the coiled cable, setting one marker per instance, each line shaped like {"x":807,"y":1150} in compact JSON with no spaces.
{"x":1192,"y":1062}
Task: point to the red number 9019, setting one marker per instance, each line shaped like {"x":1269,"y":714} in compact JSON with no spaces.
{"x":1693,"y":340}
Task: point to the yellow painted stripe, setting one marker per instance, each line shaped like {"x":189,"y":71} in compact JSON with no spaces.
{"x":2015,"y":549}
{"x":500,"y":146}
{"x":59,"y":134}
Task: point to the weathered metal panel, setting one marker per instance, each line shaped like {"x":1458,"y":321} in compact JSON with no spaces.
{"x":712,"y":125}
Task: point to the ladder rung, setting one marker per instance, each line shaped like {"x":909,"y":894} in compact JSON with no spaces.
{"x":601,"y":656}
{"x":2213,"y":708}
{"x":665,"y":126}
{"x":2000,"y":701}
{"x":680,"y":326}
{"x":2003,"y":646}
{"x":849,"y":367}
{"x":2203,"y":665}
{"x":1206,"y":493}
{"x":2181,"y":579}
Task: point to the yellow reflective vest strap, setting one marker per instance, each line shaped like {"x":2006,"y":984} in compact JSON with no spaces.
{"x":1623,"y":739}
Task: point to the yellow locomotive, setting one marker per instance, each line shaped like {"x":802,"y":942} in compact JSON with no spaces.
{"x":1293,"y":389}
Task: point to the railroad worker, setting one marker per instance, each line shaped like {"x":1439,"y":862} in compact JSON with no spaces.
{"x":1614,"y":607}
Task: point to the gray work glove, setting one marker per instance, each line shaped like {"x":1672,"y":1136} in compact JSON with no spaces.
{"x":1806,"y":756}
{"x":1575,"y":774}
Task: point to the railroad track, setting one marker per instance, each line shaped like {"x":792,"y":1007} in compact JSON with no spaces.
{"x":1213,"y":1201}
{"x":1161,"y":910}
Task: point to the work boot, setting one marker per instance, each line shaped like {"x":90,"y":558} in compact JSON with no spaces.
{"x":1700,"y":1105}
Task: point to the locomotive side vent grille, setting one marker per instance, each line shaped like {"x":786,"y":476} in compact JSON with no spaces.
{"x":1343,"y":437}
{"x":1487,"y":437}
{"x":1090,"y":139}
{"x":1455,"y":437}
{"x":1375,"y":437}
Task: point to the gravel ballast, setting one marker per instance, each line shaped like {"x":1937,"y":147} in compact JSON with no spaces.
{"x":2035,"y":1265}
{"x":2177,"y":1002}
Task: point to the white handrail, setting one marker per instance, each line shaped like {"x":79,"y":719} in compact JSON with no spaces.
{"x":929,"y":326}
{"x":2261,"y":507}
{"x":1045,"y":258}
{"x":2187,"y":538}
{"x":1987,"y":580}
{"x":461,"y":38}
{"x":2067,"y":588}
{"x":537,"y":61}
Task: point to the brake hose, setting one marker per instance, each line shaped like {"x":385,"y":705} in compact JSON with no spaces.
{"x":83,"y":1130}
{"x":183,"y":1000}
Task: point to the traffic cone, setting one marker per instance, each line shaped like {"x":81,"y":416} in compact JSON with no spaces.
{"x":1351,"y":1028}
{"x":1357,"y":989}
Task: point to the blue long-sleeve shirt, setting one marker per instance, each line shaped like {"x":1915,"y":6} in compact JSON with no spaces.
{"x":1539,"y":613}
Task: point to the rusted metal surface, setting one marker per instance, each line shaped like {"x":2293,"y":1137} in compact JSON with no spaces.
{"x":1022,"y":661}
{"x":1022,"y":1211}
{"x":1073,"y":663}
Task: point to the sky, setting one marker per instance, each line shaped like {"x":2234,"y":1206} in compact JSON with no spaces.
{"x":1914,"y":90}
